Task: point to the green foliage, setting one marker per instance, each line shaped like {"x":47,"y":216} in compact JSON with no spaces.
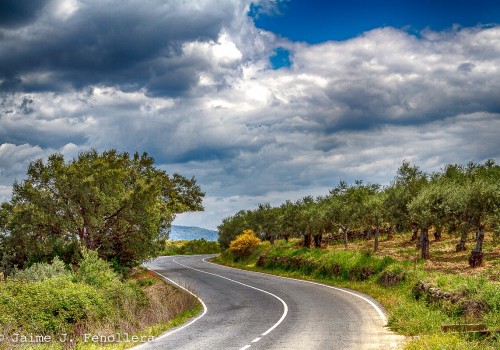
{"x":343,"y":265}
{"x":119,"y":204}
{"x":49,"y":306}
{"x":457,"y":199}
{"x":407,"y":315}
{"x":449,"y":342}
{"x":95,"y":271}
{"x":192,"y":247}
{"x":47,"y":299}
{"x":41,"y":271}
{"x":414,"y":318}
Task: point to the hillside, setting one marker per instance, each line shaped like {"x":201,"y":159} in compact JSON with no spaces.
{"x":419,"y":295}
{"x":191,"y":232}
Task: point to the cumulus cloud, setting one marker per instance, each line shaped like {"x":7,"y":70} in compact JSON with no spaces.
{"x":129,"y":44}
{"x":193,"y":86}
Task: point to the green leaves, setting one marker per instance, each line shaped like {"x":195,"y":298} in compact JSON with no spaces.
{"x":111,"y":202}
{"x":458,"y":197}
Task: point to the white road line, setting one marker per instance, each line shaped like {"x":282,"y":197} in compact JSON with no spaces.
{"x":256,"y":340}
{"x":285,"y":306}
{"x":205,"y":309}
{"x":245,"y":347}
{"x":377,"y":309}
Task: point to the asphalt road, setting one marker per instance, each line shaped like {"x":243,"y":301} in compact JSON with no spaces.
{"x":249,"y":310}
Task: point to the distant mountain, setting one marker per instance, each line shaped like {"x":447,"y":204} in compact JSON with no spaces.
{"x":178,"y":233}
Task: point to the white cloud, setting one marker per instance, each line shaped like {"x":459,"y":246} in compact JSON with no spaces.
{"x":350,"y":110}
{"x":64,"y":9}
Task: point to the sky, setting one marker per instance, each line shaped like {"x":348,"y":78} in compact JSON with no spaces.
{"x":261,"y":101}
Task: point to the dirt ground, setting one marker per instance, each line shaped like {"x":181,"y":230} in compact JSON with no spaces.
{"x":443,"y":256}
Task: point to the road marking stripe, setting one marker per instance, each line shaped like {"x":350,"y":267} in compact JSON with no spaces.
{"x":245,"y":347}
{"x":377,"y":309}
{"x":285,"y":306}
{"x":256,"y":340}
{"x":205,"y":309}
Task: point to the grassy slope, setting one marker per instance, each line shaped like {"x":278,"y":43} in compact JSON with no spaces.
{"x":421,"y":320}
{"x":192,"y":247}
{"x":144,"y":306}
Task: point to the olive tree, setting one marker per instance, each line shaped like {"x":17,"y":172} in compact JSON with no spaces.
{"x":117,"y":204}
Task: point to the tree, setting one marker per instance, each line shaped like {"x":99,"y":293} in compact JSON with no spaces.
{"x":406,"y":186}
{"x":347,"y":206}
{"x":288,"y":219}
{"x":233,"y":226}
{"x":111,"y":202}
{"x":304,"y":219}
{"x":267,"y":221}
{"x":375,"y":214}
{"x":481,"y":201}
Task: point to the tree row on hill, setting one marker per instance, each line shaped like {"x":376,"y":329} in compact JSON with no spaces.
{"x":459,"y":199}
{"x":117,"y":204}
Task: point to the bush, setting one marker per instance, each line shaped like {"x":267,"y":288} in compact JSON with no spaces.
{"x":95,"y":271}
{"x":49,"y":306}
{"x":244,"y":244}
{"x":41,"y":271}
{"x":47,"y":299}
{"x":196,"y":246}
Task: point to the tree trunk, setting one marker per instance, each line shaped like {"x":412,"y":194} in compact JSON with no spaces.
{"x":476,"y":256}
{"x":317,"y":240}
{"x":286,"y":237}
{"x":438,"y":233}
{"x":307,"y":240}
{"x":271,"y":239}
{"x":377,"y":232}
{"x":369,"y":233}
{"x":420,"y":239}
{"x":460,"y":247}
{"x":415,"y":234}
{"x":390,"y":233}
{"x":345,"y":231}
{"x":424,"y":239}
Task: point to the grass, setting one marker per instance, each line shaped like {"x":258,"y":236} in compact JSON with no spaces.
{"x":191,"y":247}
{"x":94,"y":300}
{"x":361,"y":269}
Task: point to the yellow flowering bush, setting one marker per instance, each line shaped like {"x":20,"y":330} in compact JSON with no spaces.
{"x":244,"y":244}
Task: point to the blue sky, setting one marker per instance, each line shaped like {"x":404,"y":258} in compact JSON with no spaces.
{"x":261,"y":101}
{"x":315,"y":21}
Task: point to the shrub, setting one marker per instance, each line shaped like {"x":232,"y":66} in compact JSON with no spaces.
{"x":95,"y":271}
{"x":41,"y":271}
{"x":196,"y":246}
{"x":49,"y":306}
{"x":244,"y":244}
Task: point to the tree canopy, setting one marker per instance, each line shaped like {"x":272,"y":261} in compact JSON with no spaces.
{"x":117,"y":204}
{"x":458,"y":198}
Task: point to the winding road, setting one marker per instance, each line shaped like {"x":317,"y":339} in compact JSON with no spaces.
{"x":250,"y":310}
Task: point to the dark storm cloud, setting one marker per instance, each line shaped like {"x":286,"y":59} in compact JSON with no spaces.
{"x":15,"y":13}
{"x":126,"y":44}
{"x":192,"y":85}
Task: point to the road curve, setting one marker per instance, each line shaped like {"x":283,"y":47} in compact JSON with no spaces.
{"x":249,"y":310}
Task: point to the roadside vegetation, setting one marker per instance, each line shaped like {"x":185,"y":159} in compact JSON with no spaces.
{"x":454,"y":293}
{"x":463,"y":201}
{"x":191,"y":247}
{"x":65,"y":304}
{"x":426,"y":246}
{"x":117,"y":204}
{"x":72,"y":239}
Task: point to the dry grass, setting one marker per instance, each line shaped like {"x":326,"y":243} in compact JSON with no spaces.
{"x":443,"y":256}
{"x":162,"y":304}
